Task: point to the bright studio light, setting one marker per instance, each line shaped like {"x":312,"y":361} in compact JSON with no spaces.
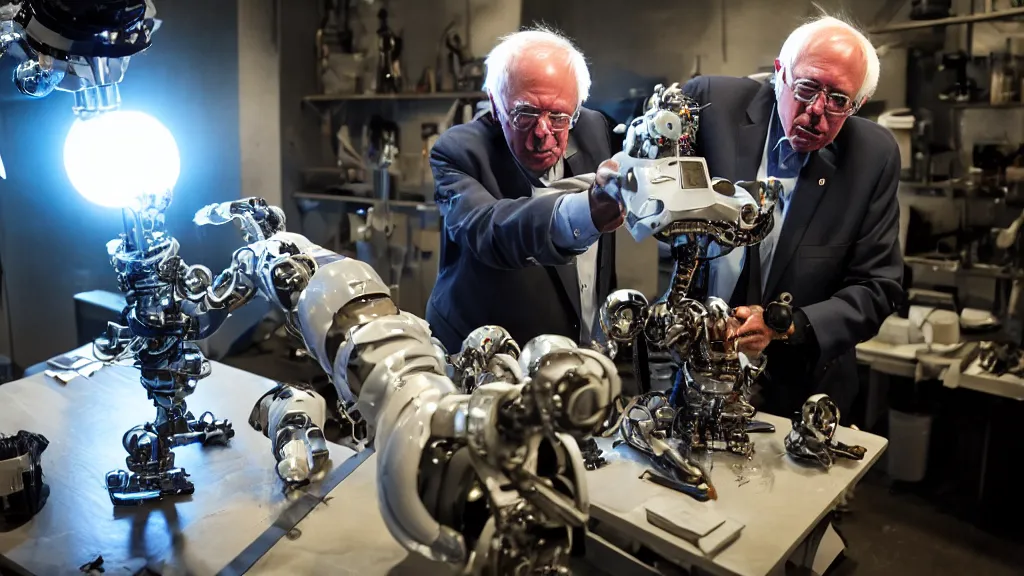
{"x":115,"y":157}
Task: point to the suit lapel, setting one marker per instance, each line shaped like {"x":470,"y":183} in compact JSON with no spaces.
{"x":810,"y":189}
{"x":751,"y":136}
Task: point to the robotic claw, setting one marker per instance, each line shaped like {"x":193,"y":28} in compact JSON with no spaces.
{"x":668,"y":193}
{"x":477,"y":467}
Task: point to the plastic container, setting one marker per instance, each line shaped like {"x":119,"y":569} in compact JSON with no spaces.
{"x":909,"y":439}
{"x":901,"y":123}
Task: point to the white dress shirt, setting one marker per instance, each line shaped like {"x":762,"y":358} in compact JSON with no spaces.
{"x":586,"y":263}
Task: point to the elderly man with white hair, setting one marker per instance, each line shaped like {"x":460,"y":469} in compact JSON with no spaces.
{"x":835,"y":246}
{"x":524,"y":212}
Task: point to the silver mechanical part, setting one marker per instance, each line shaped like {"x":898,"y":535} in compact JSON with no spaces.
{"x":489,"y":354}
{"x":439,"y":450}
{"x":623,"y":315}
{"x":293,"y":418}
{"x":540,"y":346}
{"x":813,"y":434}
{"x":170,"y":306}
{"x":78,"y":47}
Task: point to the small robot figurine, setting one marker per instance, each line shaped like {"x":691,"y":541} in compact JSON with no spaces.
{"x":813,"y":434}
{"x":668,"y":193}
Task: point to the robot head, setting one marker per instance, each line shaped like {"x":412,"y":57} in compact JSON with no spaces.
{"x":668,"y":192}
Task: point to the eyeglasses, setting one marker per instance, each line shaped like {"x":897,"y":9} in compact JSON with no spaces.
{"x":524,"y":118}
{"x":836,"y":103}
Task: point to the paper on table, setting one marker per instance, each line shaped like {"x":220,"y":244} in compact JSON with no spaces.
{"x":693,"y":522}
{"x":682,"y":516}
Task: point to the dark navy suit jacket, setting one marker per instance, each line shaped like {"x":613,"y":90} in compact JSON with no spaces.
{"x":838,"y":253}
{"x":498,"y":264}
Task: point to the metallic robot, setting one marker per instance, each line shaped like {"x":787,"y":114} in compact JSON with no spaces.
{"x":170,"y":305}
{"x":481,"y":472}
{"x":669,"y":194}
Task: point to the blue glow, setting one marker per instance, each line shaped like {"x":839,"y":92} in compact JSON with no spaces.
{"x":118,"y":156}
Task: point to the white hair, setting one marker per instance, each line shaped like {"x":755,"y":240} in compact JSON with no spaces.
{"x":794,"y":47}
{"x":501,"y":60}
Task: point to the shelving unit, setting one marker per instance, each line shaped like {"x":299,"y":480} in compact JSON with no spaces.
{"x":328,"y":99}
{"x":995,"y":15}
{"x":347,"y":199}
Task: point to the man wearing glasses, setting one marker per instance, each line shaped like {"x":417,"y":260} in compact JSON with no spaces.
{"x":834,"y":246}
{"x":524,"y":211}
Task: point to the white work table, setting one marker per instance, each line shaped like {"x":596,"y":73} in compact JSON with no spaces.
{"x":780,"y":504}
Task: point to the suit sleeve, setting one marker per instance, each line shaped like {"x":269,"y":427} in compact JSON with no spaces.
{"x":501,"y":233}
{"x":873,"y":278}
{"x":697,"y":88}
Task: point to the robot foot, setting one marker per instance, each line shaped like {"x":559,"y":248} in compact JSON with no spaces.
{"x":757,"y":426}
{"x":133,"y":489}
{"x":702,"y":490}
{"x":210,"y":431}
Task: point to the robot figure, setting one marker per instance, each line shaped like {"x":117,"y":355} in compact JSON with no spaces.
{"x":813,"y":434}
{"x":488,"y":479}
{"x":670,"y":195}
{"x":170,"y":305}
{"x":667,"y":129}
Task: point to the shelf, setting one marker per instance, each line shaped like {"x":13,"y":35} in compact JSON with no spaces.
{"x":320,"y":99}
{"x":955,"y":267}
{"x":418,"y":206}
{"x":951,"y":21}
{"x":986,"y":105}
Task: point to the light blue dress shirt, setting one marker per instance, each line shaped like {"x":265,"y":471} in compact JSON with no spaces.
{"x":779,"y":161}
{"x":573,"y":230}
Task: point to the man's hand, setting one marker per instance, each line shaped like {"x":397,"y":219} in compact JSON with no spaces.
{"x":754,"y":336}
{"x":606,"y":206}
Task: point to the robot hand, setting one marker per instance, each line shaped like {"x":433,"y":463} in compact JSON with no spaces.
{"x":293,"y":419}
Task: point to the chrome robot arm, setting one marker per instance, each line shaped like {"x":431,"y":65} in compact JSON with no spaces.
{"x":489,"y":479}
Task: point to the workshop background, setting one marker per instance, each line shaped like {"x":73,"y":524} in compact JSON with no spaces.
{"x":274,"y":99}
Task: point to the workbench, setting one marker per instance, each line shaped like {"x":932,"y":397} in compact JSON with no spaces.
{"x":239,"y":509}
{"x":240,"y":520}
{"x":783,"y":503}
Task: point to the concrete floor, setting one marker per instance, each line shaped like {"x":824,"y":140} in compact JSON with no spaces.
{"x":887,"y":531}
{"x":893,"y":531}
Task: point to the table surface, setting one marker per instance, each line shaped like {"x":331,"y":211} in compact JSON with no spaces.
{"x":346,"y":535}
{"x":238,"y":494}
{"x":780,"y":501}
{"x":1007,"y":385}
